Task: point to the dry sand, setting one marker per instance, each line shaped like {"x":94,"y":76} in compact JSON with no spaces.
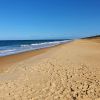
{"x":66,"y":72}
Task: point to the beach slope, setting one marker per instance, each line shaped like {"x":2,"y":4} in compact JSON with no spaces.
{"x":67,"y":72}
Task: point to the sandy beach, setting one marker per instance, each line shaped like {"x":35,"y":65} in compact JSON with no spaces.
{"x":69,"y":71}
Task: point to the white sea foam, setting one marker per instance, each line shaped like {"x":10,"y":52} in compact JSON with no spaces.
{"x":5,"y":51}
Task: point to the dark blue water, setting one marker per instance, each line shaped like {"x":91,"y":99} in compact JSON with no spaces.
{"x":8,"y":47}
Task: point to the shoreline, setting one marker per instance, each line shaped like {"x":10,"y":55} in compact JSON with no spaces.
{"x":7,"y":61}
{"x":23,"y":46}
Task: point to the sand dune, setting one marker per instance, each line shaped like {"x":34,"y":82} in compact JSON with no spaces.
{"x":67,"y":72}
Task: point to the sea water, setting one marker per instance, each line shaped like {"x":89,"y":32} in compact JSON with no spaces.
{"x":8,"y":47}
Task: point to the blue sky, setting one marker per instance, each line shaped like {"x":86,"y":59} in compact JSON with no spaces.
{"x":49,"y":19}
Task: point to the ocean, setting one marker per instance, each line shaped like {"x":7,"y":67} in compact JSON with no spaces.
{"x":9,"y":47}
